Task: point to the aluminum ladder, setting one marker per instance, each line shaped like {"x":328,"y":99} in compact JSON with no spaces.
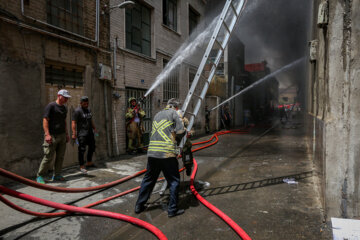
{"x":215,"y":48}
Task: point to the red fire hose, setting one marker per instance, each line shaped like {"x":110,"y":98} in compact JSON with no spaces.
{"x":149,"y":227}
{"x":95,"y":212}
{"x":222,"y":215}
{"x":32,"y":183}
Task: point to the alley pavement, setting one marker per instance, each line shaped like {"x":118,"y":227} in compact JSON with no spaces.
{"x":264,"y":180}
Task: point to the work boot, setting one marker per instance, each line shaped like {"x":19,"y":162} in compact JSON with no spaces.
{"x":139,"y":208}
{"x":130,"y":146}
{"x":176,"y":213}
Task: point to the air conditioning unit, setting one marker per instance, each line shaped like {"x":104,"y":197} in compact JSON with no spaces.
{"x":323,"y":14}
{"x":104,"y":72}
{"x":313,"y":49}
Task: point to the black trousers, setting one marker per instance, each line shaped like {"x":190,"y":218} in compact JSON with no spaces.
{"x":83,"y":142}
{"x":170,"y":169}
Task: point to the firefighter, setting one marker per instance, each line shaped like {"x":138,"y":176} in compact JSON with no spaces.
{"x":134,"y":125}
{"x":162,"y":157}
{"x":187,"y":155}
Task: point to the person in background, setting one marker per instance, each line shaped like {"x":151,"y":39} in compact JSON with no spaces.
{"x":83,"y":129}
{"x":207,"y":120}
{"x":134,"y":125}
{"x":56,"y":137}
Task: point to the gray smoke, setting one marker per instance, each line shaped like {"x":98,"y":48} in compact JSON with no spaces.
{"x":276,"y":31}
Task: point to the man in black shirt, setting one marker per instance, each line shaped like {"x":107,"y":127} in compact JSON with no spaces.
{"x":83,"y":129}
{"x":56,"y":136}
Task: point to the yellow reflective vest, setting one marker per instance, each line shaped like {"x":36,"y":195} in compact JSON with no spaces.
{"x":165,"y":126}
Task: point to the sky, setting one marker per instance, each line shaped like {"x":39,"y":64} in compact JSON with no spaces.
{"x":276,"y":31}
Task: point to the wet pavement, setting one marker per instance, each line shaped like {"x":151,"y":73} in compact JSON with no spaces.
{"x":242,"y":175}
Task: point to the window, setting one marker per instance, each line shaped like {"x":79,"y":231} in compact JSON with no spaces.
{"x":191,"y":78}
{"x":138,"y":29}
{"x":66,"y":14}
{"x":193,"y":19}
{"x":170,"y":13}
{"x":63,"y":76}
{"x":171,"y":84}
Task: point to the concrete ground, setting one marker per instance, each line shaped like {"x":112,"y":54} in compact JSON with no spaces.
{"x":243,"y":175}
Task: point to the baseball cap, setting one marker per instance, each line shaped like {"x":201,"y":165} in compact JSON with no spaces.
{"x":64,"y":93}
{"x":84,"y":99}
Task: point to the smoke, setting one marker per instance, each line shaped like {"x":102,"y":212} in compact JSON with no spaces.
{"x":277,"y":31}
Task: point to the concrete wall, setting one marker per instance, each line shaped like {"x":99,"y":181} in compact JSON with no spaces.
{"x":24,"y":51}
{"x":335,"y":103}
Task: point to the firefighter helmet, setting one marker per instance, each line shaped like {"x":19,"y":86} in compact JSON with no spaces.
{"x":131,"y":99}
{"x":173,"y":103}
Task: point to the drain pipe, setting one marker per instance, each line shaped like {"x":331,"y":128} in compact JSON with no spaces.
{"x":107,"y":119}
{"x":114,"y":109}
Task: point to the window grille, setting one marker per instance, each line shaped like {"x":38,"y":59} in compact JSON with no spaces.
{"x":138,"y":29}
{"x":66,"y":14}
{"x":63,"y":76}
{"x":170,"y":13}
{"x":171,"y":84}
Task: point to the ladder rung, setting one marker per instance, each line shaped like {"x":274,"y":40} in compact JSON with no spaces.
{"x":226,"y":26}
{"x":198,"y":96}
{"x":190,"y":113}
{"x":233,"y":8}
{"x":219,"y":44}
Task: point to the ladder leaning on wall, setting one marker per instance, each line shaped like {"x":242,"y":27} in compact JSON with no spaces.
{"x":214,"y":50}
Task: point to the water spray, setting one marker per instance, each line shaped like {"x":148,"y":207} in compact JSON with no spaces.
{"x":181,"y":54}
{"x":260,"y":81}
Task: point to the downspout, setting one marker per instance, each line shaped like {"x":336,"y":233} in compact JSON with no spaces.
{"x":114,"y":109}
{"x":97,"y":28}
{"x":63,"y":30}
{"x":107,"y":119}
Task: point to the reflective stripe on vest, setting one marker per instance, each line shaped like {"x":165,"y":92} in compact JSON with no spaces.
{"x":166,"y":144}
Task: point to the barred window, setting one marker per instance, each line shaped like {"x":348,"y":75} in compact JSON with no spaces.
{"x":170,"y":13}
{"x":63,"y":76}
{"x":66,"y":14}
{"x":171,"y":84}
{"x":138,"y":29}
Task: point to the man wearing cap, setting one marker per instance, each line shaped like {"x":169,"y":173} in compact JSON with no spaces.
{"x":162,"y":157}
{"x":83,"y":129}
{"x":56,"y":136}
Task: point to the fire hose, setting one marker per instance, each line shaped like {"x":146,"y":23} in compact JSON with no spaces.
{"x":85,"y":209}
{"x":95,"y":212}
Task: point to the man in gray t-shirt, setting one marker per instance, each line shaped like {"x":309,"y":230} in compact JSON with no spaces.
{"x":162,"y":157}
{"x":56,"y":136}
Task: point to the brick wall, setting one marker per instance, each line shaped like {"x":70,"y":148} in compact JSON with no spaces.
{"x":23,"y":55}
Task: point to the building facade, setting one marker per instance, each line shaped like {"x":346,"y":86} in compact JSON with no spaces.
{"x":333,"y":104}
{"x":46,"y":46}
{"x":144,"y":39}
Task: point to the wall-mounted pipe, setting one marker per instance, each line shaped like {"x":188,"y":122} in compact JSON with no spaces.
{"x":96,"y":38}
{"x":107,"y":120}
{"x":41,"y":31}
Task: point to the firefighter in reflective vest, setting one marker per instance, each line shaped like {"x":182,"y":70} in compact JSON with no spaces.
{"x":134,"y":125}
{"x":162,"y":157}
